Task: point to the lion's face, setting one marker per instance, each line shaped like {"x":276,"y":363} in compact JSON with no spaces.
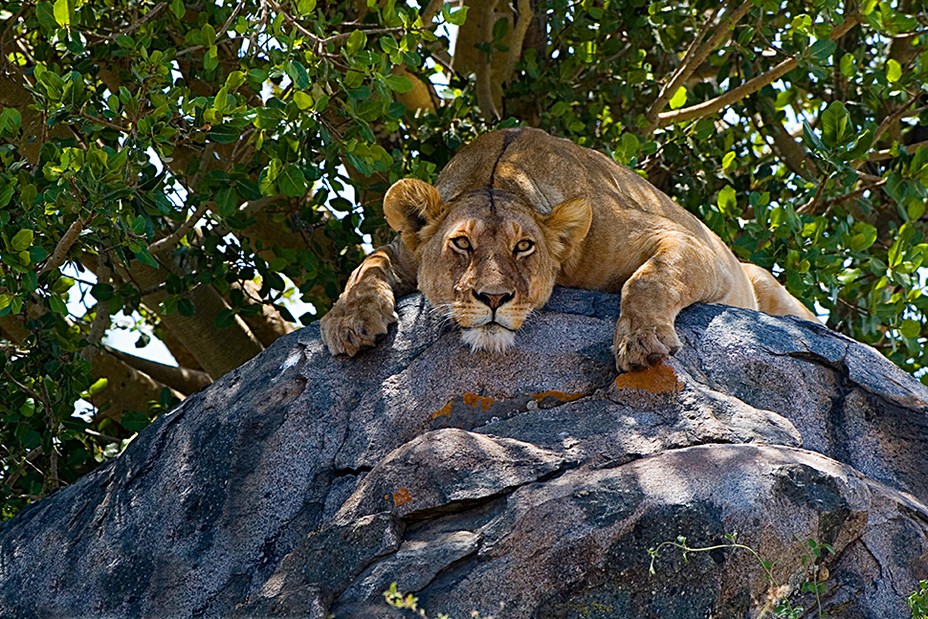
{"x":484,"y":260}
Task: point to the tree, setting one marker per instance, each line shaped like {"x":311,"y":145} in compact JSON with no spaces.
{"x":195,"y":164}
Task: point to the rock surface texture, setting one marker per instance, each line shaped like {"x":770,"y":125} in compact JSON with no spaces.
{"x":528,"y":484}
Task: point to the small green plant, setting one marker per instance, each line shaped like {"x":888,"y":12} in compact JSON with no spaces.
{"x":918,"y":601}
{"x":407,"y":601}
{"x":778,"y":606}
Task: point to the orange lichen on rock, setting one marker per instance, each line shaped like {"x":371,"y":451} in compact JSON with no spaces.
{"x":474,"y":400}
{"x":444,"y":411}
{"x":560,"y":396}
{"x":658,"y":379}
{"x":401,"y":496}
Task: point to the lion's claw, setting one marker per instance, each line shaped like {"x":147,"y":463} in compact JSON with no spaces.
{"x":354,"y":325}
{"x":643,"y":347}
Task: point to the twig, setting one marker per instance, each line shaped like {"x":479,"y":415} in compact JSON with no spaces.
{"x":809,"y":206}
{"x":518,"y":38}
{"x":64,"y":245}
{"x":694,"y":57}
{"x":15,"y":475}
{"x":886,"y":153}
{"x":894,"y":117}
{"x":712,"y":106}
{"x":169,"y":241}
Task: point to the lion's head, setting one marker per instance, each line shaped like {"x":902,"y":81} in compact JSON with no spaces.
{"x":485,"y":259}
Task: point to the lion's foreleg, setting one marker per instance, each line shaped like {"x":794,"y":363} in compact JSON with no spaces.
{"x":366,"y":309}
{"x":679,"y":273}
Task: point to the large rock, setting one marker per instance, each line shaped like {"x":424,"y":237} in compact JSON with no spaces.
{"x":529,"y":484}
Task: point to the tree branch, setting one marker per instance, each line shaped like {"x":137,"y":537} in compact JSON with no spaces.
{"x":430,"y":11}
{"x":483,"y":68}
{"x":886,"y":153}
{"x":694,"y":57}
{"x":101,"y":319}
{"x":707,"y":108}
{"x":64,"y":245}
{"x":518,"y":38}
{"x":182,"y":380}
{"x":172,"y":239}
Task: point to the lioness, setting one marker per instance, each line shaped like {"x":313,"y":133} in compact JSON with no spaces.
{"x":518,"y":211}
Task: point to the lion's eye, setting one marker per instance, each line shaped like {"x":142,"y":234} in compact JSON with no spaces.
{"x":461,"y":242}
{"x":523,"y":247}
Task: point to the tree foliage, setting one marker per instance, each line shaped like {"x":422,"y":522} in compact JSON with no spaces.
{"x":195,"y":165}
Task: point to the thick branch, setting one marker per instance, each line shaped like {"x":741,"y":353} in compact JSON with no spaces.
{"x":694,"y":57}
{"x":483,"y":68}
{"x":430,"y":11}
{"x":518,"y":37}
{"x":101,"y":319}
{"x":751,"y":86}
{"x":64,"y":245}
{"x":183,"y":380}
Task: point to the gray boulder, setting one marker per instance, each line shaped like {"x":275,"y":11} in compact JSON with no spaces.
{"x":527,"y":484}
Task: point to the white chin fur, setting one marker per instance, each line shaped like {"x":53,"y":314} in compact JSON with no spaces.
{"x":492,"y":338}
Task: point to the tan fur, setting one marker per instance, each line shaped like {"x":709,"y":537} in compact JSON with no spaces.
{"x":519,"y":211}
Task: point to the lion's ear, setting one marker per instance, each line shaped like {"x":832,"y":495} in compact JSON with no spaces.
{"x":566,"y":227}
{"x":409,"y":206}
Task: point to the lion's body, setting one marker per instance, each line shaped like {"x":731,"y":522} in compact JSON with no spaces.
{"x":586,"y":222}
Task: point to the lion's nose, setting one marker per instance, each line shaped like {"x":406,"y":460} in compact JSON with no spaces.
{"x":494,"y":300}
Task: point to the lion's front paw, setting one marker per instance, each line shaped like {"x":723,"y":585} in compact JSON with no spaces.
{"x":637,"y":348}
{"x":356,"y":324}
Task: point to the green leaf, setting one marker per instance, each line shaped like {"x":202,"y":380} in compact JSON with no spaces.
{"x":302,"y":100}
{"x":455,"y":18}
{"x":221,"y":100}
{"x":297,"y":74}
{"x":227,"y":201}
{"x":915,"y":209}
{"x":178,"y":8}
{"x":139,"y":225}
{"x":678,"y":99}
{"x":847,"y":65}
{"x":145,"y":257}
{"x":102,"y":292}
{"x":6,"y":194}
{"x":836,"y":124}
{"x":5,"y":300}
{"x":910,"y":328}
{"x":305,"y":7}
{"x":728,"y":159}
{"x":10,"y":120}
{"x":45,"y":13}
{"x":28,"y":408}
{"x":37,"y":254}
{"x":727,"y":200}
{"x":292,"y":181}
{"x":357,"y":40}
{"x":209,"y":34}
{"x":893,"y":70}
{"x":186,"y":307}
{"x":398,"y":83}
{"x":134,"y":421}
{"x":57,"y":305}
{"x":98,"y":387}
{"x":822,"y":49}
{"x":22,"y":240}
{"x":64,"y":12}
{"x":225,"y":134}
{"x":863,"y":235}
{"x":812,"y":138}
